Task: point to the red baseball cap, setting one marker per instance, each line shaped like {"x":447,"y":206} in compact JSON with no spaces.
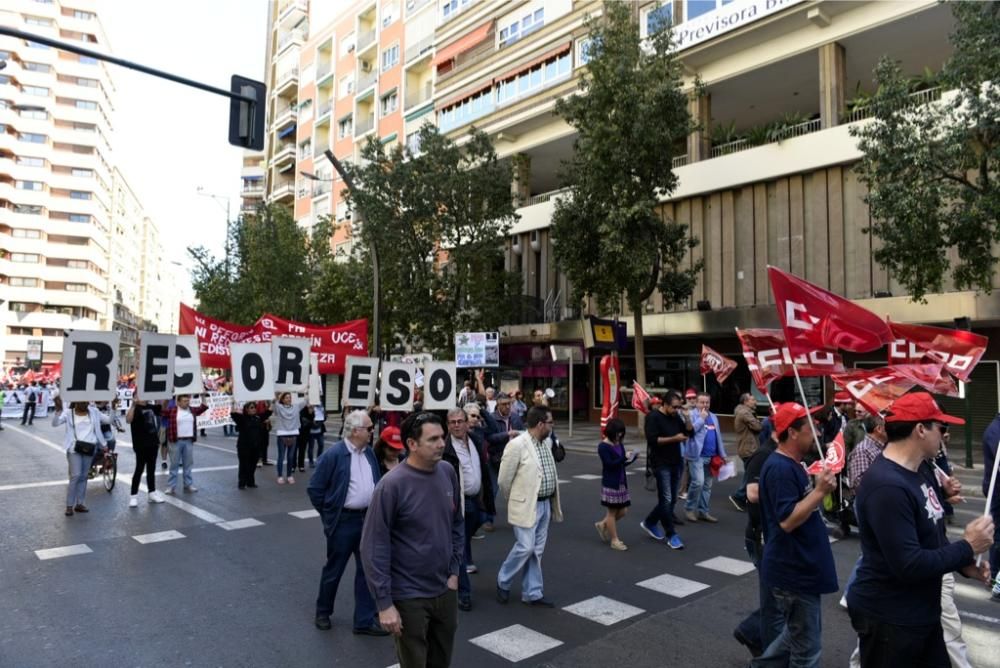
{"x":392,"y":437}
{"x":787,"y":413}
{"x":919,"y":407}
{"x":691,"y":392}
{"x":656,"y":401}
{"x":842,"y":398}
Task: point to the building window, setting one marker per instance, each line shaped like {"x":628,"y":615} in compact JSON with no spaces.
{"x":88,"y":60}
{"x":32,"y":137}
{"x":19,"y":233}
{"x":89,"y":83}
{"x":530,"y":81}
{"x":584,"y":51}
{"x":36,"y":45}
{"x":37,"y":21}
{"x":451,"y":8}
{"x":76,"y":287}
{"x":30,"y":185}
{"x":24,"y":257}
{"x":347,"y":44}
{"x":36,"y":67}
{"x":521,"y":26}
{"x":79,"y":218}
{"x":80,"y":14}
{"x":29,"y":161}
{"x":77,"y":264}
{"x":389,"y":103}
{"x":390,"y":57}
{"x":19,"y":282}
{"x":28,"y":209}
{"x":85,"y":104}
{"x":390,"y":12}
{"x":36,"y":114}
{"x":79,"y":194}
{"x":345,"y":86}
{"x":466,"y":111}
{"x":345,"y":127}
{"x":84,"y":173}
{"x":413,"y":142}
{"x":656,"y":18}
{"x":40,"y":91}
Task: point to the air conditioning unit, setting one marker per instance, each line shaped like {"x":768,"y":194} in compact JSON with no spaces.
{"x":351,"y":48}
{"x":366,"y":66}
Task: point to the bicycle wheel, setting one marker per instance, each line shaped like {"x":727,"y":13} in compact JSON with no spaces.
{"x":110,"y":470}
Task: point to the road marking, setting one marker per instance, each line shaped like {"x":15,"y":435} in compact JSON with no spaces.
{"x":978,"y":617}
{"x":604,"y":610}
{"x":671,"y":585}
{"x":245,"y":523}
{"x":58,"y":552}
{"x":305,"y":514}
{"x":53,"y":483}
{"x":188,"y":508}
{"x":587,"y":476}
{"x":158,"y":537}
{"x":565,"y":482}
{"x":516,"y":643}
{"x":727,"y":565}
{"x":43,"y":441}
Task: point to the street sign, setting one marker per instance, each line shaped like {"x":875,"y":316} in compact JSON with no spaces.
{"x":246,"y":120}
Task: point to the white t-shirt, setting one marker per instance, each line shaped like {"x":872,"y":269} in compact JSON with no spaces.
{"x":185,"y":423}
{"x":83,"y":429}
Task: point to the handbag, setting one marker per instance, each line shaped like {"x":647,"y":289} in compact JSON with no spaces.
{"x":558,"y":451}
{"x":84,"y":448}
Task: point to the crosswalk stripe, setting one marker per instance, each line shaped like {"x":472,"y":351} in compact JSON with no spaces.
{"x":727,"y":565}
{"x":587,"y":476}
{"x":305,"y":514}
{"x":67,"y":551}
{"x":245,"y":523}
{"x":516,"y":643}
{"x":603,"y":610}
{"x":672,"y":585}
{"x":158,"y":537}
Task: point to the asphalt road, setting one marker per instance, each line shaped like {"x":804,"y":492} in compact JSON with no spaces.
{"x":215,"y":594}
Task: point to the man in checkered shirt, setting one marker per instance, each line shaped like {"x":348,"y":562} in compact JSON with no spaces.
{"x":866,"y":452}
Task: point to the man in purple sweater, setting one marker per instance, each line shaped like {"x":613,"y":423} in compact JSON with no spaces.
{"x":412,"y":546}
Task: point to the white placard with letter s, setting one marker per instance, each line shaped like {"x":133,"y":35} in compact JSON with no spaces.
{"x":397,"y":386}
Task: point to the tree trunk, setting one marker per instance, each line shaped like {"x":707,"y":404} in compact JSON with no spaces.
{"x":640,"y":360}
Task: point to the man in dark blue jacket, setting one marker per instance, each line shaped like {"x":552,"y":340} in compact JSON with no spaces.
{"x":991,"y":437}
{"x":341,"y":489}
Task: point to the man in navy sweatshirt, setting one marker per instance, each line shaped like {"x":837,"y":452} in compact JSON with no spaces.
{"x":895,"y":602}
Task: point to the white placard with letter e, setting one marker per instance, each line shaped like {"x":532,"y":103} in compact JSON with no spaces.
{"x":155,"y":379}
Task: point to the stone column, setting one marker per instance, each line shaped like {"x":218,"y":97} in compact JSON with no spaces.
{"x":520,"y":186}
{"x":699,"y":144}
{"x":832,"y":83}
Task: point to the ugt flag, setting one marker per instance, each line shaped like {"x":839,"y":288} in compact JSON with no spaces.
{"x":640,"y":398}
{"x":814,"y":318}
{"x":958,"y":350}
{"x":716,"y":363}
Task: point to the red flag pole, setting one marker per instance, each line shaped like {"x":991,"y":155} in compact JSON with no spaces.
{"x":812,"y":425}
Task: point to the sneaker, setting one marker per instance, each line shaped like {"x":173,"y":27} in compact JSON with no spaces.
{"x":705,"y":517}
{"x":755,"y":651}
{"x":479,"y":535}
{"x":191,"y":489}
{"x":302,"y":469}
{"x":690,"y":516}
{"x":843,"y":601}
{"x":260,"y":466}
{"x":266,"y":463}
{"x":675,"y":542}
{"x":488,"y":527}
{"x":655,"y":532}
{"x":618,"y":545}
{"x":602,"y":531}
{"x":471,"y":569}
{"x":171,"y":491}
{"x":739,"y":505}
{"x":133,"y":501}
{"x":281,"y":480}
{"x":683,"y":495}
{"x":156,"y":497}
{"x":163,"y":466}
{"x":291,"y":480}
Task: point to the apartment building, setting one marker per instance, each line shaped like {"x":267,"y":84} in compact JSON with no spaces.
{"x":252,"y":181}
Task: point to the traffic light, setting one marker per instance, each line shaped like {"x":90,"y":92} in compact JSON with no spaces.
{"x":246,"y":120}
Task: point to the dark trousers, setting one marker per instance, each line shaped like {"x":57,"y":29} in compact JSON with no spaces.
{"x":995,"y":550}
{"x":473,"y":520}
{"x":300,"y":448}
{"x":429,"y":626}
{"x":667,"y":479}
{"x":889,"y":645}
{"x":145,"y":458}
{"x":341,"y":544}
{"x":750,"y":627}
{"x":741,"y":494}
{"x":264,"y":442}
{"x":315,"y":447}
{"x":28,"y":415}
{"x":247,"y":456}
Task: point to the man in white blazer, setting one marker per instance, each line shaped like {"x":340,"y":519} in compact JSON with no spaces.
{"x":529,"y":481}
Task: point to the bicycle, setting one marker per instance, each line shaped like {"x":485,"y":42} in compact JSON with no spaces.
{"x":106,"y":466}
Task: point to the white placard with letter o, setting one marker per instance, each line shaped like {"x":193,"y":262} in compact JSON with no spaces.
{"x":360,"y":376}
{"x":187,"y":366}
{"x":155,"y":379}
{"x":396,"y":390}
{"x":290,"y":356}
{"x":253,"y":372}
{"x":439,"y":386}
{"x":89,"y":366}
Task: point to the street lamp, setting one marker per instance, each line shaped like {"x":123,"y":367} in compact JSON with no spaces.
{"x":218,"y":200}
{"x":359,"y":218}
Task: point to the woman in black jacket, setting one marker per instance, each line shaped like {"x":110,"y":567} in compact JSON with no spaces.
{"x":252,"y":429}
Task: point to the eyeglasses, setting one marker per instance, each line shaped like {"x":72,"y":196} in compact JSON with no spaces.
{"x":369,"y":428}
{"x":456,"y":421}
{"x":473,"y":416}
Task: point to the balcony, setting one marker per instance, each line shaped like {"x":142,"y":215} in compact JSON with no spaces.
{"x":253,"y":190}
{"x":420,"y":49}
{"x":366,"y":79}
{"x":321,"y":188}
{"x":324,"y":109}
{"x":292,"y":11}
{"x":284,"y":155}
{"x":414,"y":6}
{"x":285,"y":116}
{"x":323,"y":70}
{"x":283,"y":192}
{"x":467,"y":59}
{"x":364,"y":126}
{"x":365,"y":40}
{"x":417,"y":95}
{"x":287,"y":82}
{"x":292,"y":38}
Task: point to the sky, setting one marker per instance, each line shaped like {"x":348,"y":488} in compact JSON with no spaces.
{"x":170,"y":139}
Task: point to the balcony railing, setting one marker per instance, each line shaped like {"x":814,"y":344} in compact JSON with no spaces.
{"x":471,"y":57}
{"x":543,"y":197}
{"x":286,"y":78}
{"x":364,"y":125}
{"x":321,"y":188}
{"x":420,"y":95}
{"x":419,"y":48}
{"x":287,"y":7}
{"x":322,"y":70}
{"x":776,"y":135}
{"x":915,"y":100}
{"x":282,"y":190}
{"x":293,"y":36}
{"x":366,"y":79}
{"x":365,"y":40}
{"x":679,"y":161}
{"x":324,"y":109}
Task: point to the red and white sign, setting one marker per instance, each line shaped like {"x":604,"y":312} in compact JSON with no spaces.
{"x":878,"y":389}
{"x":816,"y":319}
{"x":332,"y":344}
{"x":769,"y":358}
{"x":958,"y":350}
{"x":834,"y":460}
{"x":717,"y":363}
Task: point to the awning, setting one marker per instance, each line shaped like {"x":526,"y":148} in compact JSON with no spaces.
{"x":548,"y":55}
{"x":463,"y":44}
{"x":287,"y":131}
{"x":465,"y":94}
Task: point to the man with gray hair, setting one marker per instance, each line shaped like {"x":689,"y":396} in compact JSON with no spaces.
{"x":341,"y":489}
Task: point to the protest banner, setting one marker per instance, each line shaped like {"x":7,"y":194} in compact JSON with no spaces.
{"x":155,"y":380}
{"x":440,"y":392}
{"x":90,"y":366}
{"x":359,"y":381}
{"x":253,"y":372}
{"x":768,"y":357}
{"x":220,"y":407}
{"x":396,"y":392}
{"x":717,"y":363}
{"x":477,"y":349}
{"x":187,"y":366}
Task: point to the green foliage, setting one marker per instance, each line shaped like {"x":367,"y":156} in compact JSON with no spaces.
{"x":931,"y":169}
{"x":610,"y":239}
{"x":437,"y":220}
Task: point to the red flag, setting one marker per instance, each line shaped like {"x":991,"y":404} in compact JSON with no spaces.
{"x":816,"y":319}
{"x":640,"y":398}
{"x":959,"y":350}
{"x":878,"y":389}
{"x":835,"y":457}
{"x":769,"y":358}
{"x":716,"y":363}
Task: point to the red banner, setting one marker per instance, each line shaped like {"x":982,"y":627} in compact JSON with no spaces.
{"x":835,"y":458}
{"x":958,"y":350}
{"x":816,"y":319}
{"x":639,"y":398}
{"x":716,"y":363}
{"x":878,"y":389}
{"x":332,"y":344}
{"x":769,"y":358}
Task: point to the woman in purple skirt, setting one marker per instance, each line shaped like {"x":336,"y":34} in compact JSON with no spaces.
{"x":614,"y":484}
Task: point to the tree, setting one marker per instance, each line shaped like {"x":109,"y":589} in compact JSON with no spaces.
{"x":340,"y":288}
{"x":931,"y":170}
{"x":630,"y":114}
{"x":438,"y":219}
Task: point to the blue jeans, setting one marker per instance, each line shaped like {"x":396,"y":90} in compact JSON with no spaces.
{"x":286,"y":452}
{"x":700,"y":489}
{"x":314,"y":445}
{"x":750,"y":626}
{"x":79,"y":467}
{"x":667,"y":479}
{"x":473,"y":520}
{"x":341,"y":544}
{"x":794,"y":621}
{"x":181,"y":454}
{"x":526,"y":556}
